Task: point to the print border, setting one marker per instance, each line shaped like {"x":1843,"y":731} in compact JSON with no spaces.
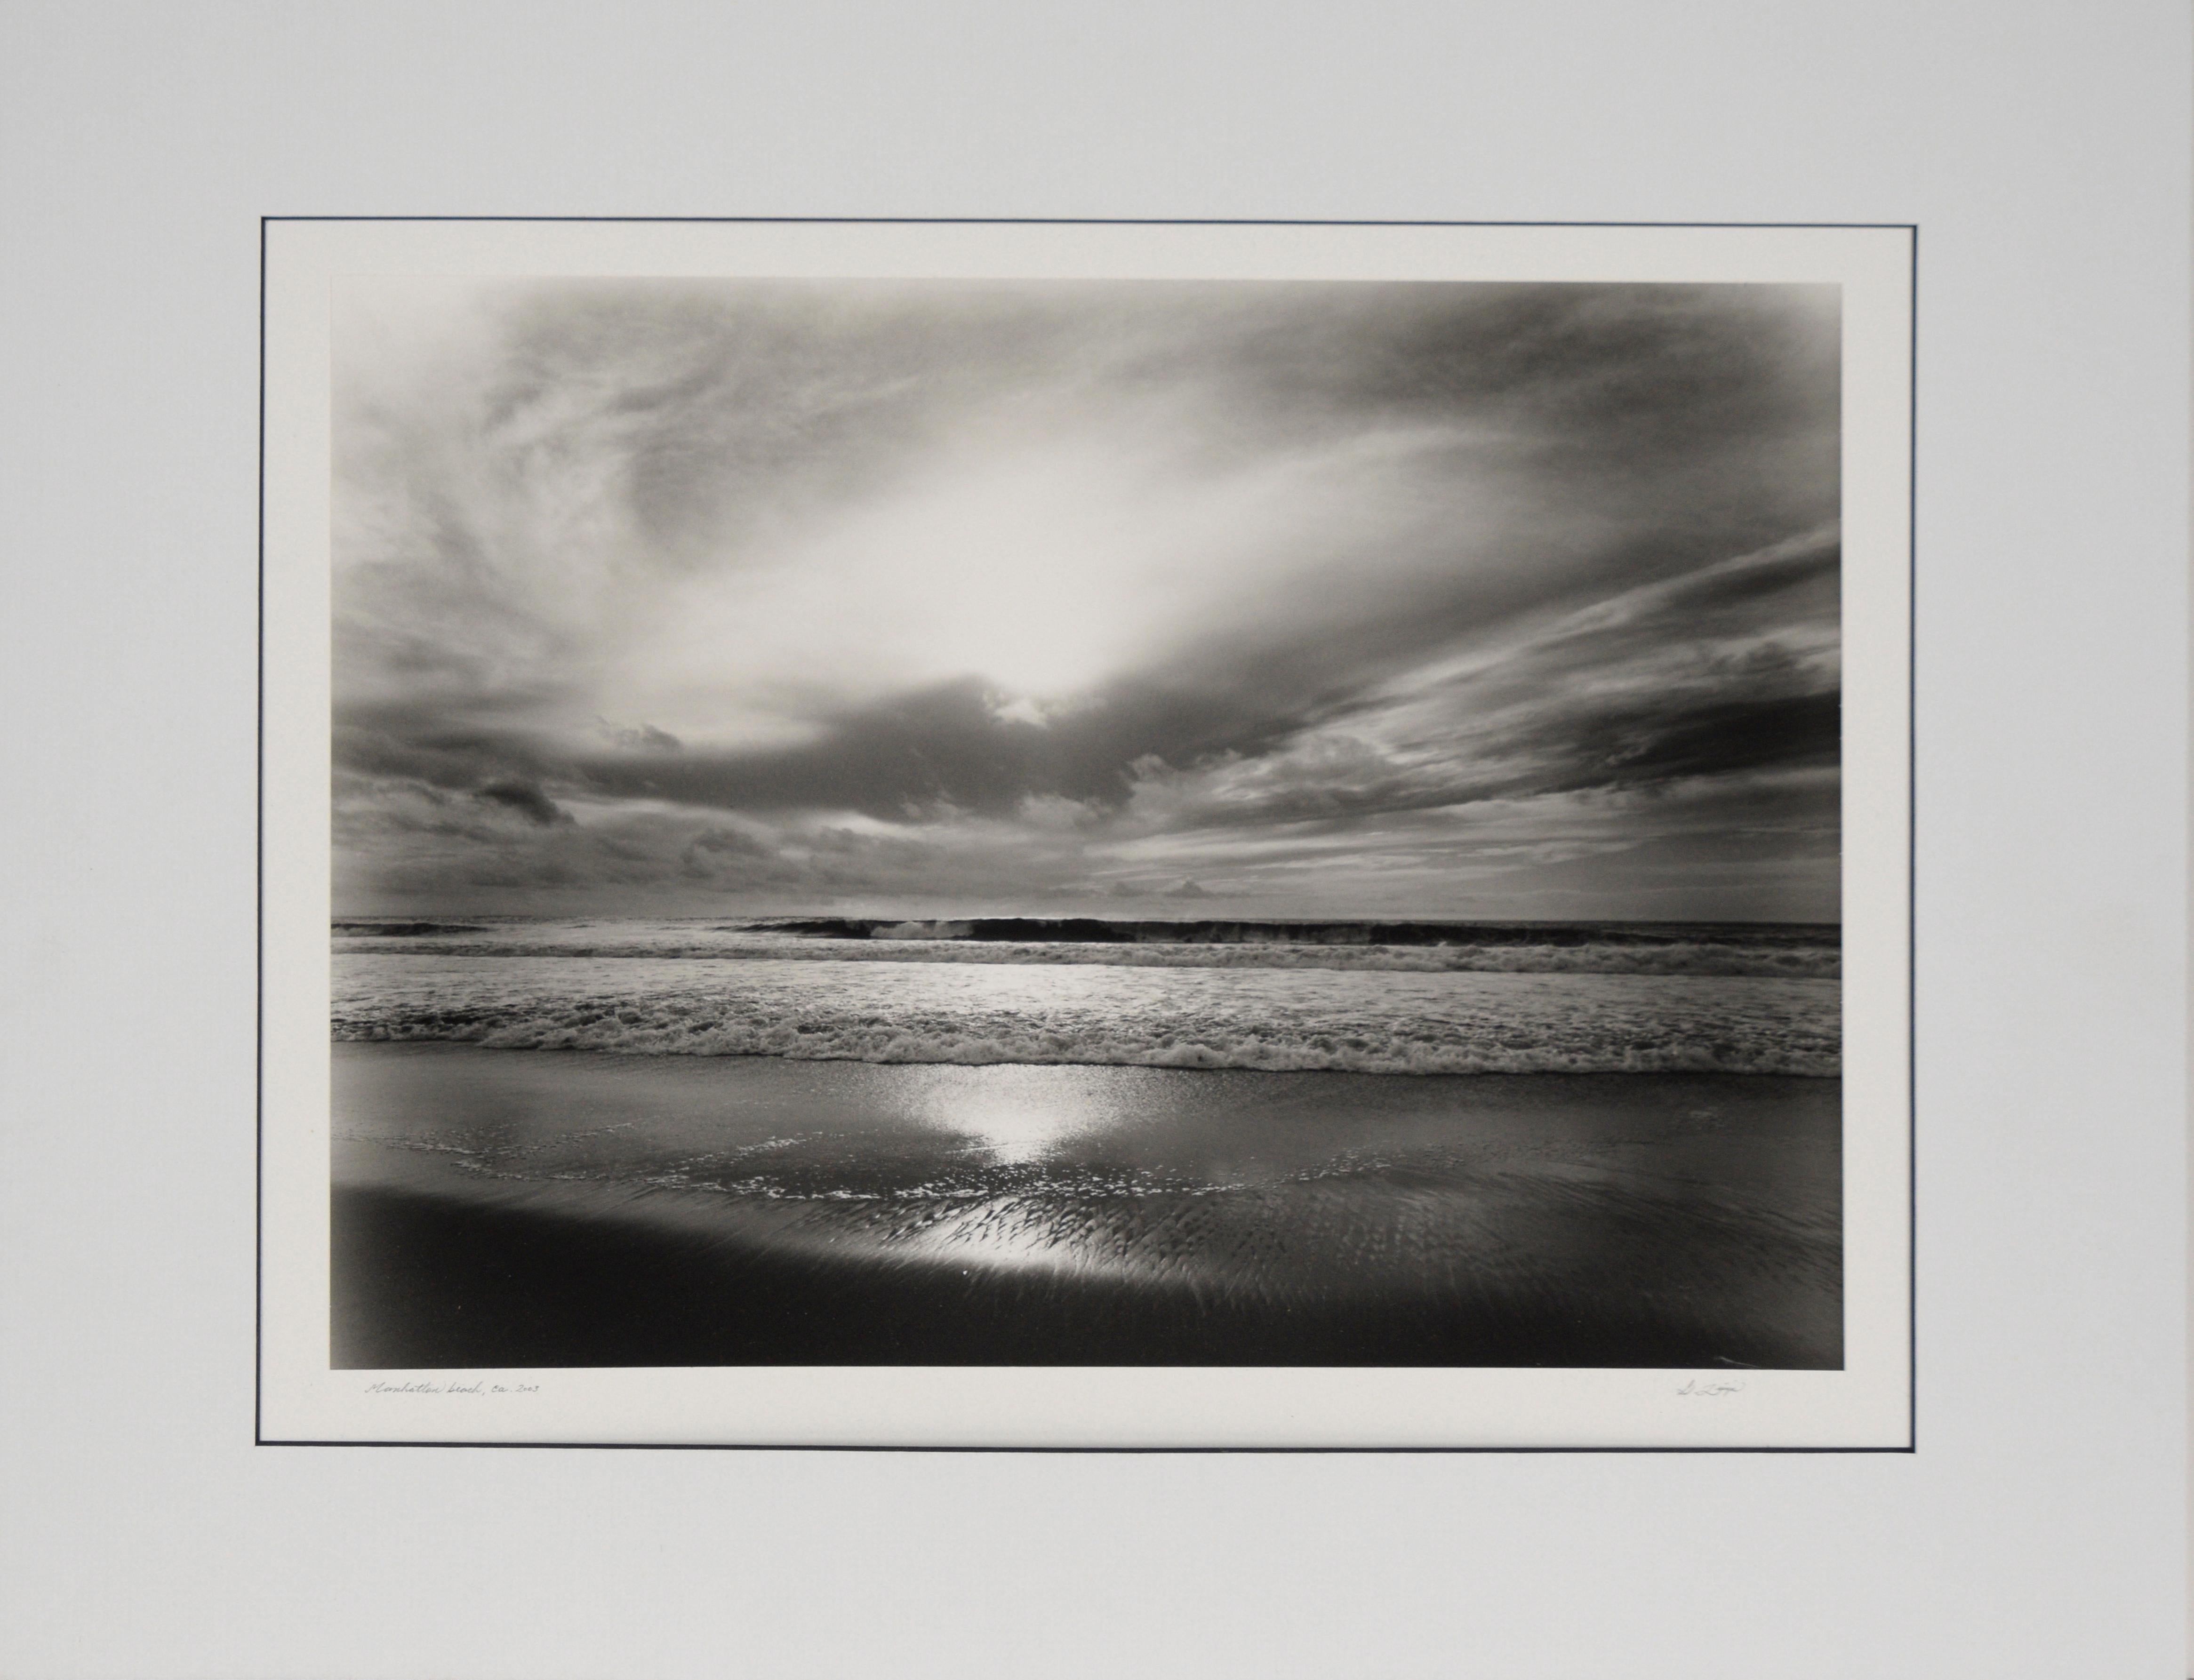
{"x":1910,"y":1445}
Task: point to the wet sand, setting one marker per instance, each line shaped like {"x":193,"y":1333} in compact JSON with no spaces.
{"x":514,"y":1208}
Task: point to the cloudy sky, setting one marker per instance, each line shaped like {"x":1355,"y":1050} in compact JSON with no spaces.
{"x":1138,"y":598}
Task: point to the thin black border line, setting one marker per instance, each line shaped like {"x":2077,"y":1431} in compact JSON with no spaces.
{"x":1084,"y":222}
{"x":259,"y":891}
{"x":1145,"y":1452}
{"x":1911,"y":849}
{"x":1912,"y":859}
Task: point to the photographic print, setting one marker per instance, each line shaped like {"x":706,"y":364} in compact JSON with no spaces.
{"x":1097,"y":822}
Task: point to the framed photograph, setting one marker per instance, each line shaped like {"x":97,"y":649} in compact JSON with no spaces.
{"x":1087,"y":835}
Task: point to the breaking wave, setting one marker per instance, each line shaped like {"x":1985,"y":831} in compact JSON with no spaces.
{"x":1705,"y":957}
{"x":1423,"y":1023}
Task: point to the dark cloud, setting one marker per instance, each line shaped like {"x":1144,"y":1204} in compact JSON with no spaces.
{"x":952,"y":746}
{"x":727,"y":843}
{"x":416,"y":743}
{"x":527,"y":799}
{"x":1641,"y":745}
{"x":726,"y":856}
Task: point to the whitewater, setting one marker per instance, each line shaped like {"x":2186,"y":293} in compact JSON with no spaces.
{"x":1602,"y":1000}
{"x":1769,"y":952}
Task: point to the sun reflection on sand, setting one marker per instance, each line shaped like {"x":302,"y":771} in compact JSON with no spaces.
{"x":1016,"y":1117}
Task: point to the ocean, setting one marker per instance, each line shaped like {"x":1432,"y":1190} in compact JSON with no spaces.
{"x":847,"y":1140}
{"x":1338,"y":996}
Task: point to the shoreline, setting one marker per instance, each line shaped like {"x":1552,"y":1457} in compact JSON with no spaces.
{"x":592,"y":1209}
{"x":650,"y":1054}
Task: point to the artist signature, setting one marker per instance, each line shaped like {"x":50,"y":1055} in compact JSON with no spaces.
{"x":1696,"y":1387}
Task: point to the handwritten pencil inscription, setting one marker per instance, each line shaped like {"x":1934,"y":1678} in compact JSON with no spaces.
{"x":482,"y":1387}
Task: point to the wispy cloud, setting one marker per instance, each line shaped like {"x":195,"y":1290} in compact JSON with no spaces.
{"x":1363,"y":597}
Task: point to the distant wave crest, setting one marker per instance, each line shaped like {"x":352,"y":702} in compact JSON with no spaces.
{"x":1705,"y":957}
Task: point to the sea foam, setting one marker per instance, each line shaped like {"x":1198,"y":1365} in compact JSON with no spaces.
{"x":1386,"y":1022}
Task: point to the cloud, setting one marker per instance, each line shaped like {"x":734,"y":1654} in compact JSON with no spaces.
{"x":642,"y":736}
{"x":528,"y":801}
{"x":952,"y":744}
{"x":1635,"y":745}
{"x":991,"y":591}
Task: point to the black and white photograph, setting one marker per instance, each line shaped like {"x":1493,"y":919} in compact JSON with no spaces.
{"x":1229,"y":824}
{"x":1091,"y":822}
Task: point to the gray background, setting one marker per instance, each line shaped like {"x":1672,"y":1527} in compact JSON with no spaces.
{"x":2043,"y":148}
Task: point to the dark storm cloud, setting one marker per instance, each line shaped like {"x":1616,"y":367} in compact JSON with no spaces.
{"x":715,"y":854}
{"x":1634,"y":748}
{"x":1640,"y":746}
{"x":1730,"y":669}
{"x":951,"y":747}
{"x":418,"y":743}
{"x":942,"y":746}
{"x":950,"y":751}
{"x":527,"y":799}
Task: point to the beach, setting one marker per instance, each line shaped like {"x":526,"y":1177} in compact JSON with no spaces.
{"x":535,"y":1207}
